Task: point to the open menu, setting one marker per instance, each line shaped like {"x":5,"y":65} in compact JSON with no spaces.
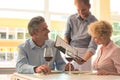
{"x":61,"y":45}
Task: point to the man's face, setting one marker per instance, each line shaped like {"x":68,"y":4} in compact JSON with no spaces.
{"x":83,"y":10}
{"x":42,"y":32}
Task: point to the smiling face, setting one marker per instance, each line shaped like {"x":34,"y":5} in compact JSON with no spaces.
{"x":101,"y":32}
{"x":82,"y":9}
{"x":99,"y":40}
{"x":102,"y":41}
{"x":41,"y":34}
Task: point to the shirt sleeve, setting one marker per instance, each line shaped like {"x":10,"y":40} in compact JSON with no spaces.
{"x":21,"y":64}
{"x":116,"y":59}
{"x":59,"y":61}
{"x":68,"y":29}
{"x":92,"y":46}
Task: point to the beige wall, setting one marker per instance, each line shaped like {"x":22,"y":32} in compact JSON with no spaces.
{"x":102,"y":9}
{"x":13,"y":23}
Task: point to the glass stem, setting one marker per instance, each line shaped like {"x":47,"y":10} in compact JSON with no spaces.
{"x":47,"y":63}
{"x":69,"y":68}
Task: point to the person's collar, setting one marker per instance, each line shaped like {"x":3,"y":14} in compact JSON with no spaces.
{"x":33,"y":45}
{"x":77,"y":15}
{"x":87,"y":19}
{"x":109,"y":45}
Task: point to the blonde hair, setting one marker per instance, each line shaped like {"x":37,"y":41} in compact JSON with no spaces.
{"x":102,"y":29}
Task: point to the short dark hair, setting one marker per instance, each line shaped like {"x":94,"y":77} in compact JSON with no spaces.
{"x":32,"y":25}
{"x":87,"y":2}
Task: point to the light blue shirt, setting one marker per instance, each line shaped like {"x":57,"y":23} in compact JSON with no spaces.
{"x":31,"y":56}
{"x":77,"y":31}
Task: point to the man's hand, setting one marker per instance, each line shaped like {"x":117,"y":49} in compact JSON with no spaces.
{"x":67,"y":67}
{"x":42,"y":69}
{"x":79,"y":60}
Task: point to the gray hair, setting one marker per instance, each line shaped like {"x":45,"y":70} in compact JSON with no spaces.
{"x":32,"y":25}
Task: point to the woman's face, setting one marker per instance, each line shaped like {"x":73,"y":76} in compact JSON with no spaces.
{"x":101,"y":40}
{"x":98,"y":40}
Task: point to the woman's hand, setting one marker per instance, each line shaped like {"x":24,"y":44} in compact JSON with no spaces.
{"x":102,"y":72}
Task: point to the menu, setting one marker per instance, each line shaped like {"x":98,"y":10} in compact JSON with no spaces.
{"x":63,"y":46}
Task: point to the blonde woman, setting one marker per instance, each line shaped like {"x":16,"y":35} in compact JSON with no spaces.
{"x":108,"y":58}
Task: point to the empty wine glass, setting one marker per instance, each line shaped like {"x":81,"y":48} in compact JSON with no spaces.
{"x":69,"y":59}
{"x":48,"y":55}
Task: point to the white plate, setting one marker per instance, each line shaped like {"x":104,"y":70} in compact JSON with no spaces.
{"x":73,"y":72}
{"x":79,"y":72}
{"x":54,"y":72}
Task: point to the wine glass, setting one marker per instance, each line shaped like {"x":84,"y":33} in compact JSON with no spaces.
{"x":48,"y":55}
{"x":69,"y":59}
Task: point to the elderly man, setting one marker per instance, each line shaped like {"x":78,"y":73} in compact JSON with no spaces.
{"x":30,"y":57}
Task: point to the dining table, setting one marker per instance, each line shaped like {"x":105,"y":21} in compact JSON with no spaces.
{"x":58,"y":75}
